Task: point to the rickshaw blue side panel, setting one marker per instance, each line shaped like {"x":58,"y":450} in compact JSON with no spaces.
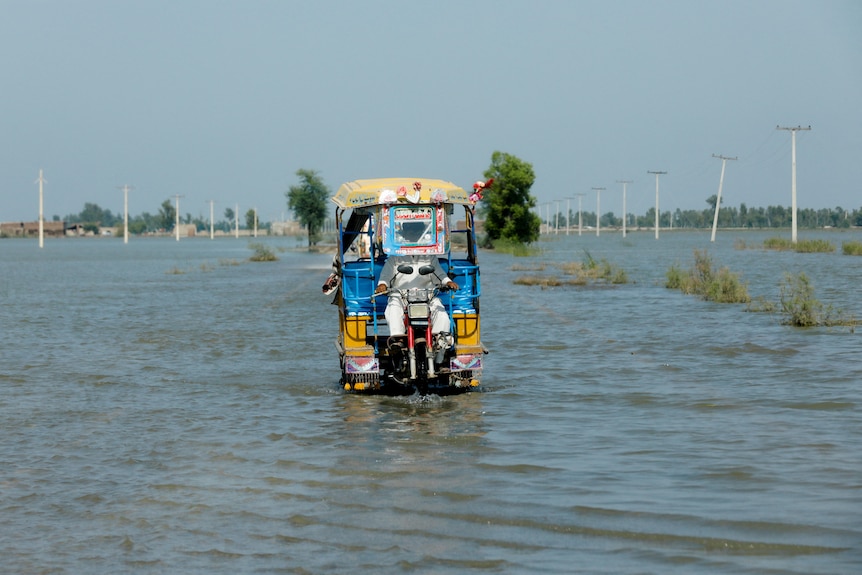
{"x":357,"y":283}
{"x":466,"y":275}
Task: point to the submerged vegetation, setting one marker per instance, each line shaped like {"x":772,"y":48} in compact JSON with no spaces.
{"x":262,"y":253}
{"x":852,"y":248}
{"x":802,"y":246}
{"x":721,"y":286}
{"x":515,"y":248}
{"x":802,"y":309}
{"x":573,"y":273}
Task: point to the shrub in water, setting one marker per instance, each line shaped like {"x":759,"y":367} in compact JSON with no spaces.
{"x":517,"y":249}
{"x":777,"y":244}
{"x":721,"y":286}
{"x":852,"y":248}
{"x":815,"y":247}
{"x":262,"y":253}
{"x":802,"y":246}
{"x":589,"y":269}
{"x":803,"y":309}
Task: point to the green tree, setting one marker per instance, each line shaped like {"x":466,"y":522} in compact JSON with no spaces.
{"x":201,"y":224}
{"x":167,"y":215}
{"x":743,"y":216}
{"x":508,"y":203}
{"x":307,"y":200}
{"x":250,"y":217}
{"x":712,"y":200}
{"x":93,"y":214}
{"x":137,"y":225}
{"x":226,"y":224}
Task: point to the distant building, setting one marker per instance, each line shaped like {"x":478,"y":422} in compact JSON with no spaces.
{"x":31,"y":229}
{"x":76,"y":230}
{"x":187,"y":230}
{"x":286,"y":228}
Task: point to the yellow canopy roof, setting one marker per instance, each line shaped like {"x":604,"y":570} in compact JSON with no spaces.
{"x":360,"y":193}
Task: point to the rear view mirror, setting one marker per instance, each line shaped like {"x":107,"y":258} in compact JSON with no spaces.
{"x":425,"y":270}
{"x":406,"y":269}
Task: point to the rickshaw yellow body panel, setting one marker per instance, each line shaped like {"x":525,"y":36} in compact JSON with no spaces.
{"x":467,"y":328}
{"x":355,"y":331}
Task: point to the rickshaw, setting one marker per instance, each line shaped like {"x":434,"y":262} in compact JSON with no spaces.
{"x":370,"y":217}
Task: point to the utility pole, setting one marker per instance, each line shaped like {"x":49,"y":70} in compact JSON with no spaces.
{"x":580,"y":219}
{"x":556,"y":217}
{"x":568,"y":214}
{"x":657,"y":174}
{"x":598,"y":209}
{"x":212,"y":230}
{"x":41,"y":181}
{"x":793,"y":175}
{"x":255,"y":221}
{"x":718,"y":197}
{"x":126,"y":189}
{"x":236,"y":222}
{"x":177,"y":225}
{"x":547,"y":217}
{"x":625,"y":215}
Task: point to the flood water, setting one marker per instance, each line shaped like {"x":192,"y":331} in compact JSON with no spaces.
{"x":171,"y":407}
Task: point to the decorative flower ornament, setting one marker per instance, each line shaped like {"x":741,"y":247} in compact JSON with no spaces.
{"x":388,"y":196}
{"x":439,"y":196}
{"x":478,"y":188}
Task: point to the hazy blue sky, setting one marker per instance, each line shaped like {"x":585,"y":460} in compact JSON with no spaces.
{"x":225,"y":100}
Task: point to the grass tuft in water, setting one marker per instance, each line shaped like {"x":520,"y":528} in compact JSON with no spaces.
{"x":517,"y":249}
{"x":603,"y":270}
{"x":262,"y":253}
{"x":852,"y":248}
{"x":802,"y":246}
{"x":815,"y":247}
{"x":575,"y":273}
{"x":802,"y":309}
{"x":720,"y":286}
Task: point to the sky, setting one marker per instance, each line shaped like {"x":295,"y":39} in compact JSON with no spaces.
{"x":225,"y":100}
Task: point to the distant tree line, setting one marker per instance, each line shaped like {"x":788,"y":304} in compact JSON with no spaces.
{"x":728,"y":217}
{"x":507,"y":210}
{"x":93,"y":218}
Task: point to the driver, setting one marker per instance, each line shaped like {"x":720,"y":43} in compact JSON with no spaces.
{"x":412,"y":232}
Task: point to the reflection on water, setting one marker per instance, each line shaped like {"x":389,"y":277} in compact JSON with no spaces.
{"x":171,"y":407}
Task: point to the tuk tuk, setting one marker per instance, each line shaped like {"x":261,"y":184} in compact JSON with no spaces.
{"x":372,"y":219}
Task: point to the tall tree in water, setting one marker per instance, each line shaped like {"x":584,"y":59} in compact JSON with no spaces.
{"x":509,"y":203}
{"x":307,"y":200}
{"x":167,"y":215}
